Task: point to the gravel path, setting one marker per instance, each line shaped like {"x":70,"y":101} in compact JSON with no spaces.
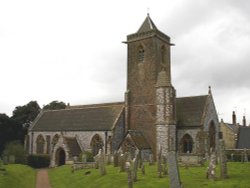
{"x":42,"y":179}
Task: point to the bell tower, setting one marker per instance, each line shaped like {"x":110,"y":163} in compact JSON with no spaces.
{"x":148,"y":54}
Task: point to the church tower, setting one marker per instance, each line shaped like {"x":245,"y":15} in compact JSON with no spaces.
{"x":148,"y":56}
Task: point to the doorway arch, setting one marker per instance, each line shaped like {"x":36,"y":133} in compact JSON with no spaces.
{"x":60,"y":157}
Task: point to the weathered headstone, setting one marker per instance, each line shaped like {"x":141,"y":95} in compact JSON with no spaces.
{"x":232,"y":156}
{"x":84,"y":158}
{"x":108,"y":159}
{"x":159,"y":163}
{"x":165,"y":167}
{"x":211,"y":168}
{"x":5,"y":160}
{"x":151,"y":159}
{"x":173,"y":170}
{"x":143,"y":169}
{"x":123,"y":160}
{"x":223,"y":160}
{"x":12,"y":159}
{"x":101,"y":162}
{"x":130,"y":180}
{"x":75,"y":159}
{"x":134,"y":165}
{"x":245,"y":155}
{"x":116,"y":159}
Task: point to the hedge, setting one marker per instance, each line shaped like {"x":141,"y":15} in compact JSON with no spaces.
{"x":38,"y":161}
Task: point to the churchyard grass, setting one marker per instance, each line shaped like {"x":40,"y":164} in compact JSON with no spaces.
{"x":18,"y":176}
{"x":62,"y":177}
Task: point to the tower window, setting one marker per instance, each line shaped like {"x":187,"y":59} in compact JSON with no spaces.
{"x":141,"y":54}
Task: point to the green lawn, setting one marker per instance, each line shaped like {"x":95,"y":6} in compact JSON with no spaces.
{"x":18,"y":176}
{"x":61,"y":177}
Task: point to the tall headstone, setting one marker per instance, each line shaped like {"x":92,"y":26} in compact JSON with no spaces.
{"x":101,"y":162}
{"x":130,"y":179}
{"x":116,"y":158}
{"x":223,"y":160}
{"x":159,"y":163}
{"x":211,"y":174}
{"x":173,"y":170}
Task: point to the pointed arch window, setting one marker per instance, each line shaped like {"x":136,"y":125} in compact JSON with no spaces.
{"x":187,"y":144}
{"x":96,"y":144}
{"x":40,"y":142}
{"x":141,"y":54}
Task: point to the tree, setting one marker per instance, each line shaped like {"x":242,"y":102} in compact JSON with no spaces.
{"x":23,"y":116}
{"x":5,"y":130}
{"x":55,"y":105}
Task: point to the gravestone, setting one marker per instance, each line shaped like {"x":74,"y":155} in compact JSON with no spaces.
{"x":173,"y":170}
{"x":212,"y":165}
{"x":75,"y":159}
{"x":123,"y":160}
{"x":232,"y":156}
{"x":245,"y":155}
{"x":130,"y":180}
{"x":165,"y":167}
{"x":143,"y":169}
{"x":12,"y":159}
{"x":116,"y":159}
{"x":101,"y":162}
{"x":134,"y":163}
{"x":223,"y":160}
{"x":108,"y":159}
{"x":5,"y":160}
{"x":159,"y":163}
{"x":84,"y":158}
{"x":151,"y":159}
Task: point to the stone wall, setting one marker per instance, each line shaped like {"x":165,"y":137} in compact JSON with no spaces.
{"x":228,"y":136}
{"x":84,"y":138}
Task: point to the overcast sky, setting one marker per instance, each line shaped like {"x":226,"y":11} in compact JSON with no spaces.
{"x":72,"y":51}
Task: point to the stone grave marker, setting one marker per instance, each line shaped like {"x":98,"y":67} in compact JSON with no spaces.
{"x":128,"y":169}
{"x":12,"y":159}
{"x":223,"y":160}
{"x":84,"y":158}
{"x":101,"y":162}
{"x":211,"y":168}
{"x":173,"y":170}
{"x":151,"y":159}
{"x":164,"y":165}
{"x":159,"y":163}
{"x":5,"y":160}
{"x":116,"y":159}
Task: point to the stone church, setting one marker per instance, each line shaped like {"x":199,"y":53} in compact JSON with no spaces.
{"x":149,"y":118}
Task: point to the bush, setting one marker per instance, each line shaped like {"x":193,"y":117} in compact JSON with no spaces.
{"x":15,"y":149}
{"x":38,"y":161}
{"x":89,"y":156}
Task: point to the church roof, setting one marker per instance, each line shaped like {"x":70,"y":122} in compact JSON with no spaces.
{"x":139,"y":139}
{"x":147,"y":25}
{"x":99,"y":117}
{"x":189,"y":110}
{"x":74,"y":148}
{"x":244,"y":138}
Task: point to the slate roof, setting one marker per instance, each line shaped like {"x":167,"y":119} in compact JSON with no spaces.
{"x":87,"y":118}
{"x":233,"y":127}
{"x":189,"y":110}
{"x":74,"y":148}
{"x":147,"y":25}
{"x":244,"y":138}
{"x":139,"y":139}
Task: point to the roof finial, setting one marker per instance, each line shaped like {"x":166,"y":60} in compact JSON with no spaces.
{"x":147,"y":11}
{"x":209,"y":90}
